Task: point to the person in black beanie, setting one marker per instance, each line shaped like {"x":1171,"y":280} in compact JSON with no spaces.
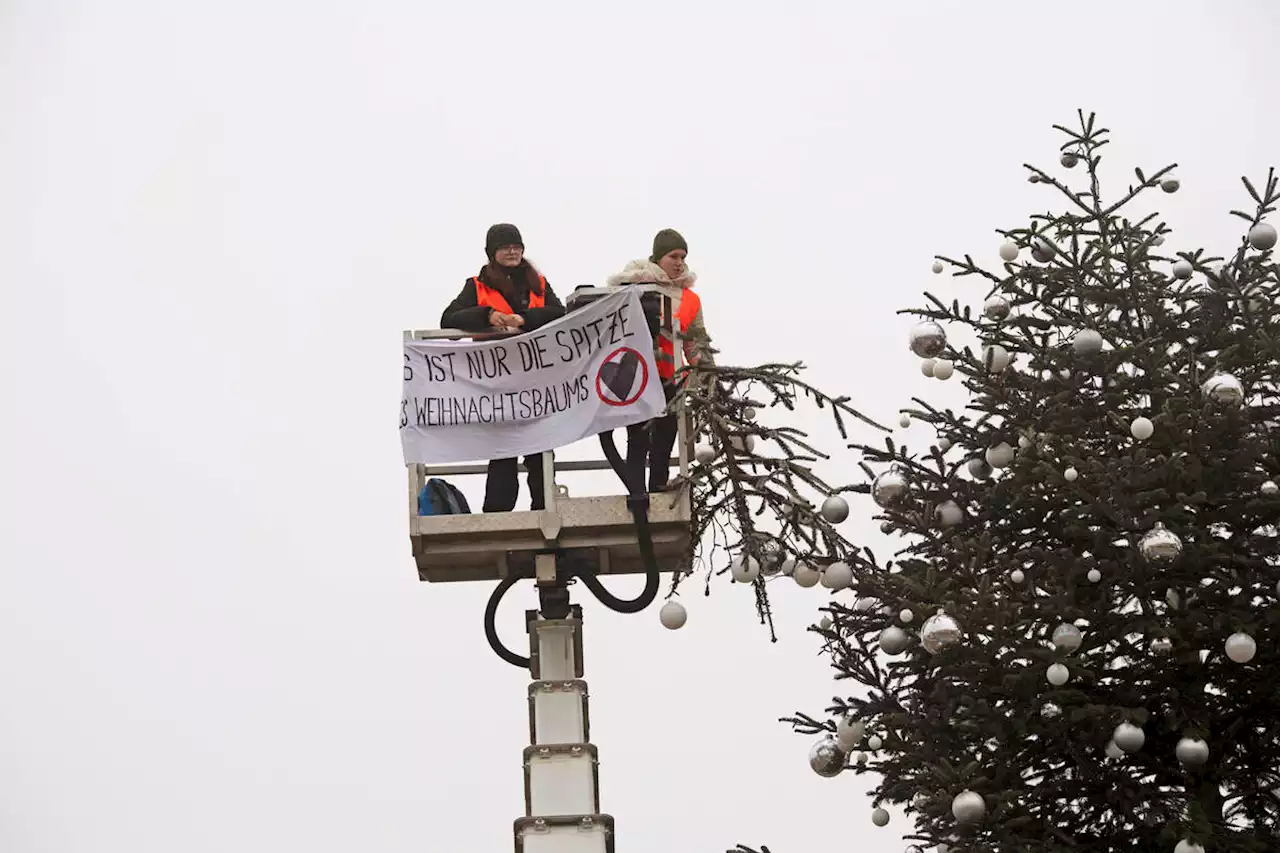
{"x":507,"y":295}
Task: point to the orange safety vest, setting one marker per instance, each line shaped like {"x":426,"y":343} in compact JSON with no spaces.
{"x":486,"y":295}
{"x":690,"y":304}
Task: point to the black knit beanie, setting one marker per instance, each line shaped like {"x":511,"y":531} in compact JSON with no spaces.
{"x":667,"y":240}
{"x":502,"y":234}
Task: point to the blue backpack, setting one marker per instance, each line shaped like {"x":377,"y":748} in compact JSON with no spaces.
{"x":441,"y":498}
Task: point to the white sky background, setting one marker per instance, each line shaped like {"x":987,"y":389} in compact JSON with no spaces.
{"x":215,"y":221}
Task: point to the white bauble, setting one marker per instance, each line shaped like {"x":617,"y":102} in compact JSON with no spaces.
{"x":1087,"y":342}
{"x":1269,"y":487}
{"x":943,"y":368}
{"x":979,"y":468}
{"x":926,"y":366}
{"x":997,"y":356}
{"x":968,"y":807}
{"x":837,"y":576}
{"x":1182,"y":269}
{"x":1057,"y":674}
{"x":849,"y":732}
{"x":1070,"y":475}
{"x":1129,"y":737}
{"x":1008,"y":251}
{"x":806,"y":575}
{"x":1000,"y":456}
{"x":949,"y":514}
{"x":673,"y":615}
{"x":1192,"y":751}
{"x":874,"y":742}
{"x":705,"y":454}
{"x":1240,"y":647}
{"x":835,"y":509}
{"x":1262,"y":236}
{"x":944,"y":444}
{"x":937,"y":267}
{"x":904,"y":420}
{"x":1188,"y":846}
{"x":745,"y":569}
{"x":906,"y":616}
{"x":894,"y":640}
{"x":1114,"y":751}
{"x":1142,"y":428}
{"x":1094,"y":576}
{"x":1017,"y":576}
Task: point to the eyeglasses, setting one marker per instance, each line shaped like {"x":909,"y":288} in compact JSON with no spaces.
{"x":511,"y":248}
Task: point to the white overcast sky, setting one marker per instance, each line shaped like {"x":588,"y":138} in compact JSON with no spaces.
{"x":215,"y":221}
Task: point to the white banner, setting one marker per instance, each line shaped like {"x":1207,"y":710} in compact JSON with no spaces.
{"x":588,"y":372}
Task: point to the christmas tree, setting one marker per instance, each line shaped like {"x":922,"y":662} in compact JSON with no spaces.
{"x":1075,"y":648}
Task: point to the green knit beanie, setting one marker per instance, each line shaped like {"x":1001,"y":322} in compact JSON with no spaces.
{"x":667,"y":240}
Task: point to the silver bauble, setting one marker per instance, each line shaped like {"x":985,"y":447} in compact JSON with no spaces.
{"x":849,"y":732}
{"x":997,"y":357}
{"x":889,"y":488}
{"x":1000,"y":455}
{"x":749,"y":413}
{"x":1170,"y":184}
{"x":894,"y":640}
{"x":837,"y":576}
{"x":996,"y":307}
{"x":1087,"y":342}
{"x":744,"y":569}
{"x":1240,"y":647}
{"x":806,"y":575}
{"x":927,"y":339}
{"x":938,"y":632}
{"x":949,"y":514}
{"x":1129,"y":737}
{"x":835,"y":509}
{"x":979,"y":468}
{"x":1224,"y":389}
{"x":879,"y":817}
{"x":1192,"y":751}
{"x":1067,"y":637}
{"x":1160,"y":546}
{"x":827,"y":758}
{"x":1068,"y":160}
{"x":1057,"y":674}
{"x":1262,"y":236}
{"x":968,"y":807}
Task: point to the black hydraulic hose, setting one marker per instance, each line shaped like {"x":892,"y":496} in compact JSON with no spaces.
{"x":491,"y":617}
{"x":631,"y":472}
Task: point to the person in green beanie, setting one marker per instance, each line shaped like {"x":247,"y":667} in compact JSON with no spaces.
{"x":667,"y":265}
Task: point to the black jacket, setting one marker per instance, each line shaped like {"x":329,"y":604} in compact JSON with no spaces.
{"x":466,"y":314}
